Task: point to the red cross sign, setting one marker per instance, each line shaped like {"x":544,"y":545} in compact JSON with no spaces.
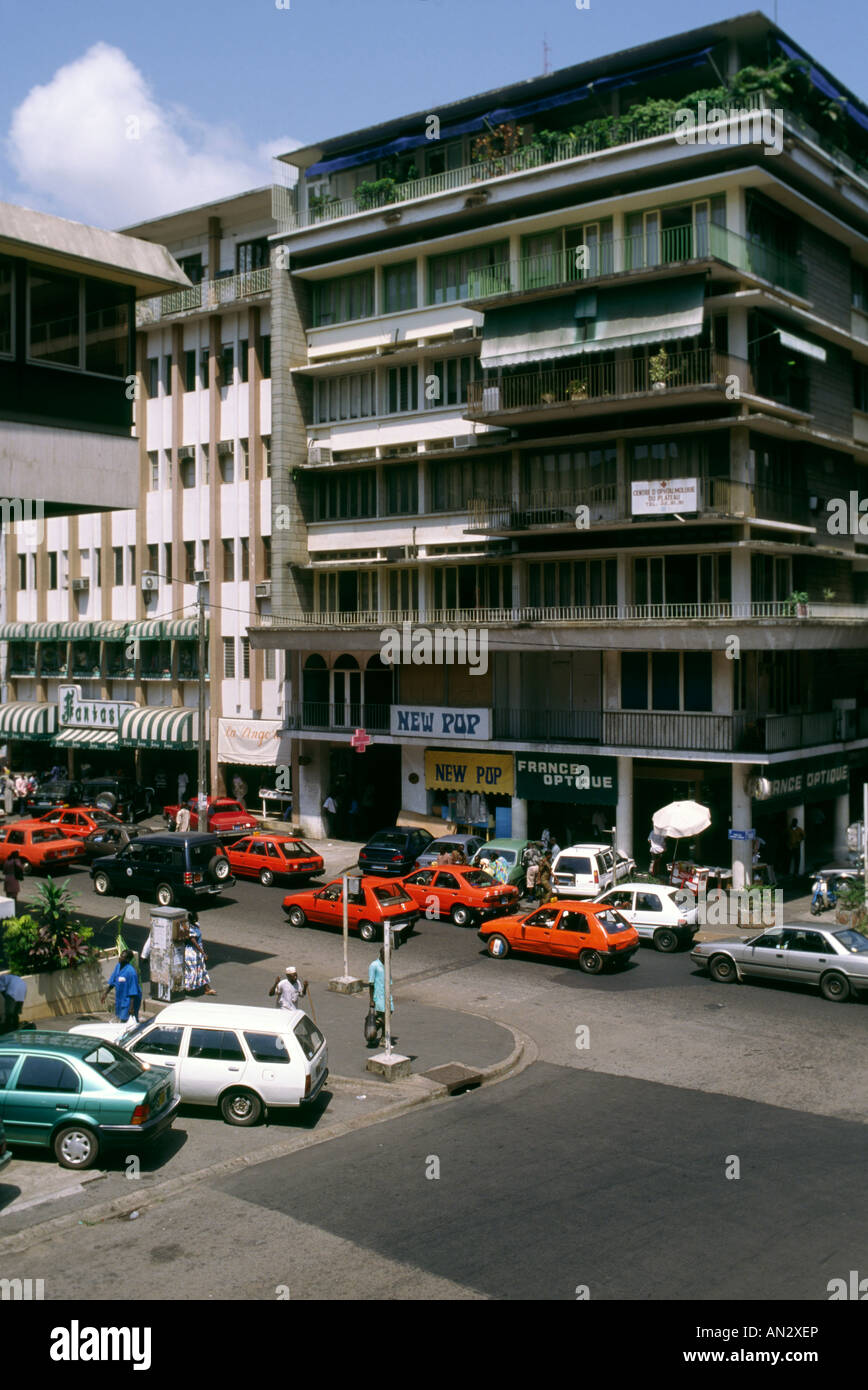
{"x":360,"y":740}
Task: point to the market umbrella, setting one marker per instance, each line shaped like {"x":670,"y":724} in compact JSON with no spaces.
{"x":681,"y":820}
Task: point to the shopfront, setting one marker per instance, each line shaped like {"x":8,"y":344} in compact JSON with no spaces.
{"x":254,"y":756}
{"x":162,"y":741}
{"x":471,"y":790}
{"x":816,"y":793}
{"x":572,"y":796}
{"x":27,"y":728}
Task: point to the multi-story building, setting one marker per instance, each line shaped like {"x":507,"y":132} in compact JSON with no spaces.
{"x":567,"y":373}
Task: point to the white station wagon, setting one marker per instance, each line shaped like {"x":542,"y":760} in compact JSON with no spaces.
{"x":243,"y":1060}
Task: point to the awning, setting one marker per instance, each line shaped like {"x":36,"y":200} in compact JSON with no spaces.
{"x":182,"y":627}
{"x":76,"y":738}
{"x":77,"y":632}
{"x":530,"y":333}
{"x":640,"y":314}
{"x":14,"y":632}
{"x":109,"y":632}
{"x":159,"y":727}
{"x":45,"y":632}
{"x":789,"y":340}
{"x":149,"y":631}
{"x":164,"y":629}
{"x":28,"y":719}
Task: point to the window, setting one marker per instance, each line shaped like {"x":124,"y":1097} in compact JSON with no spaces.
{"x":190,"y":370}
{"x":343,"y":299}
{"x":245,"y":658}
{"x":167,"y":560}
{"x":22,"y":571}
{"x":228,"y":561}
{"x":267,"y":1047}
{"x":54,"y":304}
{"x":399,"y":287}
{"x":106,"y":328}
{"x":153,"y":471}
{"x":162,"y":1041}
{"x":245,"y":558}
{"x":573,"y":583}
{"x":153,"y":559}
{"x":859,"y":298}
{"x":215,"y":1045}
{"x":449,"y":387}
{"x":479,"y":269}
{"x":403,"y":389}
{"x":192,"y":268}
{"x":7,"y":306}
{"x":244,"y":446}
{"x":266,"y":456}
{"x":152,"y":372}
{"x":7,"y":1067}
{"x":345,"y":397}
{"x":860,"y":386}
{"x":270,"y":665}
{"x":251,"y":255}
{"x":189,"y":561}
{"x":345,"y":496}
{"x":168,"y":376}
{"x":78,"y":322}
{"x":226,"y":460}
{"x":187,"y":471}
{"x":228,"y":657}
{"x":118,"y":562}
{"x":402,"y":489}
{"x":675,"y":680}
{"x":452,"y":482}
{"x":47,"y":1074}
{"x":266,"y":557}
{"x":204,"y":368}
{"x":227,"y":364}
{"x":52,"y":569}
{"x":266,"y":354}
{"x":244,"y":359}
{"x":309,"y":1036}
{"x":132,"y":551}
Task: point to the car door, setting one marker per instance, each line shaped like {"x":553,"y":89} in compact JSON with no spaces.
{"x":327,"y":906}
{"x":649,"y":912}
{"x":214,"y":1059}
{"x":255,"y":857}
{"x":128,"y":870}
{"x":44,"y":1089}
{"x":624,"y":899}
{"x":8,"y":1066}
{"x":571,"y":933}
{"x":446,"y":888}
{"x":419,"y":888}
{"x":275,"y":1071}
{"x":765,"y":957}
{"x":240,"y":856}
{"x":535,"y":932}
{"x":808,"y":954}
{"x":160,"y":1044}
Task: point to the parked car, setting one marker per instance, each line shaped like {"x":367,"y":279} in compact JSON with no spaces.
{"x":586,"y":871}
{"x":121,"y":795}
{"x":460,"y":893}
{"x":375,"y":902}
{"x":78,"y":822}
{"x":169,"y":867}
{"x":50,"y":794}
{"x":243,"y":1060}
{"x":78,"y":1095}
{"x":394,"y":850}
{"x":109,"y":840}
{"x":834,"y":959}
{"x":468,"y":844}
{"x":225,"y":817}
{"x":513,"y":851}
{"x":598,"y":937}
{"x":268,"y":857}
{"x":38,"y":846}
{"x":653,"y":911}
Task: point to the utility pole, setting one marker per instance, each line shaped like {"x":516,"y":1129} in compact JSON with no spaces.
{"x":204,"y":779}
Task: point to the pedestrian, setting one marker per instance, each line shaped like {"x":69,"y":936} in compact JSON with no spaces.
{"x":183,"y":781}
{"x":531,"y":877}
{"x":21,"y":788}
{"x":458,"y":857}
{"x":239,"y":790}
{"x":555,"y":850}
{"x":288,"y":990}
{"x":444,"y":857}
{"x":795,"y":836}
{"x":13,"y":872}
{"x":544,"y":881}
{"x":500,"y":869}
{"x":377,"y":994}
{"x":182,"y":819}
{"x":330,"y":806}
{"x":13,"y":992}
{"x":546,"y":838}
{"x":128,"y":991}
{"x":8,"y":792}
{"x":196,"y":977}
{"x":657,"y":845}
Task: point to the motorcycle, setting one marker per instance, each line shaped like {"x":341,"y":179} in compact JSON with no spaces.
{"x":827,"y":885}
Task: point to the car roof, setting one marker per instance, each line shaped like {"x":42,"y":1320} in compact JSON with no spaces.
{"x":174,"y":837}
{"x":586,"y":844}
{"x":198,"y":1014}
{"x":643,"y":887}
{"x":43,"y":1040}
{"x":571,"y":905}
{"x":506,"y":844}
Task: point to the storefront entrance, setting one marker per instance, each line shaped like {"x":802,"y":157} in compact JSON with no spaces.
{"x":366,"y":787}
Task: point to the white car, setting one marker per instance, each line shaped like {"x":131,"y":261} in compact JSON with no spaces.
{"x":584,"y":871}
{"x":652,"y":909}
{"x":243,"y":1060}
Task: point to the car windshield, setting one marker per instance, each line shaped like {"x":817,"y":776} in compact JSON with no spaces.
{"x":852,"y":940}
{"x":388,"y":840}
{"x":228,"y":807}
{"x":570,"y":864}
{"x":390,"y":896}
{"x":134,"y":1032}
{"x":201,"y":855}
{"x":309,"y":1036}
{"x":291,"y":847}
{"x":612,"y":922}
{"x":478,"y":878}
{"x":492,"y":852}
{"x":116,"y":1066}
{"x":39,"y":835}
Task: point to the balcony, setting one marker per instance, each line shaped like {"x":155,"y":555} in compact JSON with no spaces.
{"x":564,"y":392}
{"x":206,"y":297}
{"x":317,"y":714}
{"x":611,"y":503}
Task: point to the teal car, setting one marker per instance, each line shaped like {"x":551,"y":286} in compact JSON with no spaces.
{"x":513,"y":852}
{"x":78,"y":1095}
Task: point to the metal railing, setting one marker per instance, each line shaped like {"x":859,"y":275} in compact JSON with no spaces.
{"x":721,"y":610}
{"x":353,"y":714}
{"x":206,"y":296}
{"x":586,"y":380}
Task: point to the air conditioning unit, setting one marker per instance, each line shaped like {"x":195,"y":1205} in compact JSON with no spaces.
{"x":464,"y":441}
{"x":149,"y":583}
{"x":200,"y":576}
{"x":225,"y":448}
{"x":263,"y":590}
{"x":185,"y":453}
{"x":80,"y":586}
{"x":466,"y":335}
{"x":395,"y":553}
{"x":319,"y":453}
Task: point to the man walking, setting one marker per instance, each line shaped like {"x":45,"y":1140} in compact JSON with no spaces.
{"x":377,"y":994}
{"x":13,"y":992}
{"x":795,"y":836}
{"x":288,"y":990}
{"x":182,"y":820}
{"x":128,"y":992}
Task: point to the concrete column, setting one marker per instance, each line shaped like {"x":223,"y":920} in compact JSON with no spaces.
{"x":291,"y":586}
{"x":519,"y":818}
{"x":842,"y":820}
{"x":312,"y":789}
{"x":740,"y":576}
{"x":742,"y":850}
{"x":624,"y":809}
{"x":514,"y":258}
{"x":797,"y":813}
{"x":622,"y":562}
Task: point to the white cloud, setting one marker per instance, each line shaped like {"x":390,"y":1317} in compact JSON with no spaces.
{"x":94,"y":144}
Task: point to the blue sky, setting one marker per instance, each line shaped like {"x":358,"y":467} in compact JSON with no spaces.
{"x":110,"y":113}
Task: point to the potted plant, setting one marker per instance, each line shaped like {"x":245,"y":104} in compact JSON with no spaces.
{"x":577,"y":389}
{"x":658,"y":370}
{"x":547,"y":397}
{"x":797,"y":603}
{"x":52,"y":951}
{"x":829,"y":595}
{"x":850,"y":910}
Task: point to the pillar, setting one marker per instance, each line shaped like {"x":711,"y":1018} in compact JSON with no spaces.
{"x":742,"y":850}
{"x":519,"y":818}
{"x":624,"y":809}
{"x":842,"y":820}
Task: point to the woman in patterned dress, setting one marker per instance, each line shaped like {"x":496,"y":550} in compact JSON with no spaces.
{"x":196,"y":977}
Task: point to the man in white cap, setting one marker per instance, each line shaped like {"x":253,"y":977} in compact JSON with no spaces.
{"x":288,"y":990}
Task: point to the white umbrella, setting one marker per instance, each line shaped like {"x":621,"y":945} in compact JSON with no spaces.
{"x":681,"y":820}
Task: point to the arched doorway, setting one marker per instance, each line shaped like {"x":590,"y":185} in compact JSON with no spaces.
{"x":315,"y":693}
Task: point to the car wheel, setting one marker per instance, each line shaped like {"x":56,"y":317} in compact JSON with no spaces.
{"x":722,"y":969}
{"x":219,"y":868}
{"x":461,"y":915}
{"x":101,"y":884}
{"x":26,"y":867}
{"x":296,"y":917}
{"x":165,"y":894}
{"x":107,"y":801}
{"x":835,"y":987}
{"x":665,"y":939}
{"x":266,"y":877}
{"x":367,"y":931}
{"x":591,"y":962}
{"x":76,"y":1146}
{"x":241,"y":1108}
{"x":497,"y":947}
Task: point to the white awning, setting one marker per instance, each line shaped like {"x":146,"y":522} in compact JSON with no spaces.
{"x":789,"y":340}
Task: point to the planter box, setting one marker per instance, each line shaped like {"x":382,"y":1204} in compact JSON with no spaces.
{"x":56,"y":993}
{"x":855,"y":917}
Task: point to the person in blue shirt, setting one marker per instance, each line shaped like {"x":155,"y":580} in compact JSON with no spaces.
{"x":128,"y":992}
{"x":377,"y":992}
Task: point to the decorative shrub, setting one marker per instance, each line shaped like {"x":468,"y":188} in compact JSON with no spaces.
{"x":51,"y":939}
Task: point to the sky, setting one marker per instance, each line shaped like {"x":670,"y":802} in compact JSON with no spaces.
{"x":112,"y":113}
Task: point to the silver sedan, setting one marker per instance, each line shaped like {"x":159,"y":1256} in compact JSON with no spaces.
{"x":834,"y":959}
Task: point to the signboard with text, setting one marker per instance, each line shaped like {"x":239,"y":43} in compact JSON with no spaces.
{"x":816,"y":779}
{"x":578,"y":779}
{"x":78,"y":713}
{"x":433,"y":721}
{"x":664,"y":496}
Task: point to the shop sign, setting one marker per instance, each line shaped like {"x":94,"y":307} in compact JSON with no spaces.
{"x":664,"y":496}
{"x":580,"y":779}
{"x":434,"y":721}
{"x":252,"y":742}
{"x":75,"y":712}
{"x":469,"y":772}
{"x":794,"y":783}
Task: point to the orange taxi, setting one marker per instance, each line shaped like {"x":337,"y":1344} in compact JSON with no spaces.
{"x":268,"y":857}
{"x":77,"y":822}
{"x":371,"y":902}
{"x":596,"y":936}
{"x":38,"y":846}
{"x":461,"y":893}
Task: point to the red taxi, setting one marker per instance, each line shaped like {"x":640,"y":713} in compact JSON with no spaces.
{"x":593,"y":934}
{"x":38,"y":846}
{"x":268,"y":857}
{"x":224,"y":817}
{"x":374,"y":902}
{"x":461,"y":893}
{"x":77,"y":822}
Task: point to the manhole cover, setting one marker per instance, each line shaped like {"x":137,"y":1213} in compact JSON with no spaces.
{"x":454,"y":1076}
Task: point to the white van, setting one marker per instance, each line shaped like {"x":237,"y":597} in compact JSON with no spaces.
{"x":243,"y":1060}
{"x":585,"y":871}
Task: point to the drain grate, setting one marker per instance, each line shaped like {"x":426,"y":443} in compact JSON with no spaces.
{"x":455,"y":1077}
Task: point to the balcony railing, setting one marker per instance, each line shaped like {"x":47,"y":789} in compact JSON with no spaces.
{"x":207,"y":296}
{"x":317,"y":714}
{"x":589,"y":380}
{"x":643,"y":251}
{"x":612,"y":502}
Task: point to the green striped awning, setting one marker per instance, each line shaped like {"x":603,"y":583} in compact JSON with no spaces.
{"x":76,"y":632}
{"x":109,"y":632}
{"x":13,"y":632}
{"x":183,"y":627}
{"x":27,"y":719}
{"x":44,"y":632}
{"x":159,"y":727}
{"x":151,"y":630}
{"x":75,"y":738}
